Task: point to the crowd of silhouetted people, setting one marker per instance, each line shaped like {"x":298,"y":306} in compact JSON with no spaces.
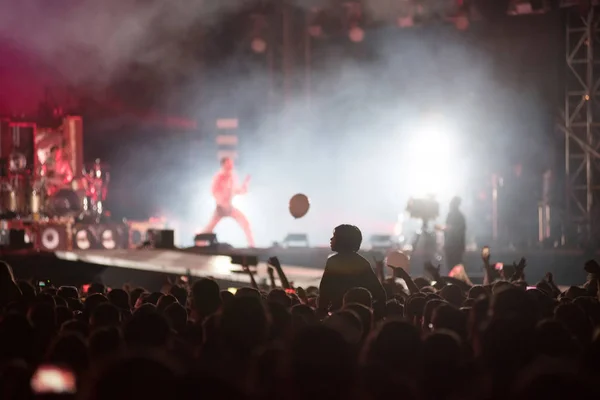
{"x":431,"y":337}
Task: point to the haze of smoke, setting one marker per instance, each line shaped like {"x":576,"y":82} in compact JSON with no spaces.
{"x":91,"y":40}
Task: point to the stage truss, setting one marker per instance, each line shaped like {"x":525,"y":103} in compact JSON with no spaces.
{"x":581,"y":124}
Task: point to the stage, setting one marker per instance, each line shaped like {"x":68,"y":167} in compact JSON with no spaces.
{"x":149,"y":268}
{"x":303,"y":266}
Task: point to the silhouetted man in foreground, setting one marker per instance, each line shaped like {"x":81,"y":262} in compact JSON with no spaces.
{"x":346,"y":270}
{"x":455,"y":235}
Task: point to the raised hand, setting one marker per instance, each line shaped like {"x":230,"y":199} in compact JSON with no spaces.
{"x":485,"y":256}
{"x":274,"y":261}
{"x":519,"y":269}
{"x":302,"y":295}
{"x":433,"y":270}
{"x":521,"y":265}
{"x":592,"y":267}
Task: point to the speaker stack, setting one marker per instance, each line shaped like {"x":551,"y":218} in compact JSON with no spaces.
{"x":53,"y":236}
{"x":138,"y":231}
{"x":15,"y":235}
{"x":161,"y":238}
{"x":107,"y":236}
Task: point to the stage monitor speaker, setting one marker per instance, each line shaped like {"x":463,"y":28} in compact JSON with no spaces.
{"x":381,"y":242}
{"x":161,"y":238}
{"x":109,"y":236}
{"x":112,"y":236}
{"x":13,"y":239}
{"x":206,"y":240}
{"x":52,"y":237}
{"x":138,"y":231}
{"x":296,"y":240}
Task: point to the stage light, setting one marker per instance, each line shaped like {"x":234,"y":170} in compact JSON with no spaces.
{"x":259,"y":32}
{"x":239,"y":202}
{"x":258,"y":45}
{"x":356,"y":34}
{"x":314,"y":22}
{"x":526,"y":7}
{"x":405,"y":21}
{"x":461,"y":22}
{"x":354,"y":19}
{"x":433,"y":153}
{"x":315,"y":31}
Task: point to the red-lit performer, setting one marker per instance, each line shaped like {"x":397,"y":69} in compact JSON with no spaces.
{"x":224,"y":188}
{"x":57,"y":171}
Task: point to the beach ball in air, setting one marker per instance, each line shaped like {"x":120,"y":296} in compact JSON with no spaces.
{"x":299,"y":205}
{"x":397,"y":259}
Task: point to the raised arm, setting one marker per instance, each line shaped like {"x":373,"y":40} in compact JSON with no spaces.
{"x":243,"y":189}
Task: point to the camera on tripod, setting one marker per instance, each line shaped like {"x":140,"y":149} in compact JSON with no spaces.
{"x":426,"y":209}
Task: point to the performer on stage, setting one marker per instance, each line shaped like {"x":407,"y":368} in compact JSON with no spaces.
{"x":57,"y":171}
{"x":454,"y":235}
{"x":224,"y":188}
{"x":57,"y":177}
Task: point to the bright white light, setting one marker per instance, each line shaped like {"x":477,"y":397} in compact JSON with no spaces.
{"x":432,"y":157}
{"x":239,"y":203}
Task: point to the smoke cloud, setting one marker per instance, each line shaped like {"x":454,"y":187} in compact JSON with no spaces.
{"x":91,"y":40}
{"x":347,"y":145}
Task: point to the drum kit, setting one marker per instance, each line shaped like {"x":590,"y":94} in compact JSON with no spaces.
{"x":46,"y":194}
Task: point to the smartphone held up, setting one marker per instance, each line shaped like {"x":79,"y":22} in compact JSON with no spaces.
{"x":53,"y":380}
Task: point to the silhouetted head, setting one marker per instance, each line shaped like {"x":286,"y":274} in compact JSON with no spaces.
{"x":180,"y":293}
{"x":206,"y":297}
{"x":518,"y":170}
{"x":359,"y":295}
{"x":227,"y":164}
{"x":455,"y":203}
{"x":244,"y":325}
{"x":105,"y":314}
{"x":69,"y":349}
{"x":346,"y":239}
{"x":119,"y":298}
{"x":177,"y":316}
{"x":395,"y":345}
{"x":96,"y":288}
{"x":147,"y":328}
{"x":6,"y":274}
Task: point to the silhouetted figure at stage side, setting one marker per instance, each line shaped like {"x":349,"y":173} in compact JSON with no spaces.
{"x":455,"y":235}
{"x":346,"y":270}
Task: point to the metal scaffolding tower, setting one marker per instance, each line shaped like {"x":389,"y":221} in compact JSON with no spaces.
{"x":582,"y":120}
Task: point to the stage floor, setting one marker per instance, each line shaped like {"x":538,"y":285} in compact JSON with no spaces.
{"x":177,"y":262}
{"x":303,"y":266}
